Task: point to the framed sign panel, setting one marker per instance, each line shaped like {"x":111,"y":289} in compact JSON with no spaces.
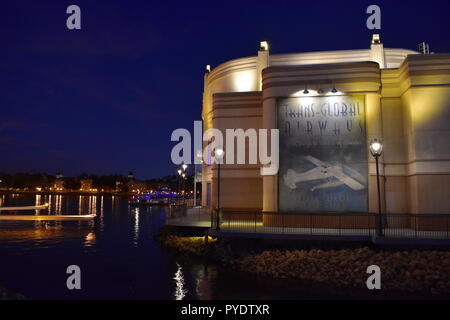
{"x":323,"y":154}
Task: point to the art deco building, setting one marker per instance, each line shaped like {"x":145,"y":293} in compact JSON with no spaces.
{"x":328,"y":107}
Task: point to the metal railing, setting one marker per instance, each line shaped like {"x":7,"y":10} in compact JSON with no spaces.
{"x":411,"y":226}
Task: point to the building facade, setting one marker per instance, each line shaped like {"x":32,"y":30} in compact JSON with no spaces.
{"x":328,"y":107}
{"x":86,"y":185}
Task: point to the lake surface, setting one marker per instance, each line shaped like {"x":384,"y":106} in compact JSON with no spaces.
{"x":120,"y":259}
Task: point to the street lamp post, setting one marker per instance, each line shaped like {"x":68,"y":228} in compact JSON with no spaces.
{"x":376,"y":149}
{"x":219,"y":156}
{"x":184,"y":167}
{"x":183,"y":175}
{"x":179,"y":183}
{"x":199,"y":159}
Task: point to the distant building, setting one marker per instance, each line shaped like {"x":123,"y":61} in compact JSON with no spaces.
{"x":136,"y":186}
{"x":59,"y":182}
{"x":58,"y":185}
{"x":119,"y":185}
{"x":86,"y":185}
{"x":130,"y":176}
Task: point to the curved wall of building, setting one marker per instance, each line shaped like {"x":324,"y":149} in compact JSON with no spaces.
{"x":240,"y":75}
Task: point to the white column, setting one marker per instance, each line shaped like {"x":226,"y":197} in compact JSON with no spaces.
{"x":270,"y":183}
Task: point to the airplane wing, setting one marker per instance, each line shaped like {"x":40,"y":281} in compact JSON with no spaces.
{"x":336,"y":172}
{"x":328,"y":184}
{"x":291,"y":178}
{"x":352,"y":183}
{"x":317,"y":162}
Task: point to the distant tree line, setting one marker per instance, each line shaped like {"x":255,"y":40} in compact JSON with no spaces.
{"x":32,"y":181}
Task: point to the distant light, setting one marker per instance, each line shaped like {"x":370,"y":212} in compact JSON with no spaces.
{"x":184,"y":166}
{"x":219,"y":152}
{"x":208,"y":68}
{"x":179,"y":171}
{"x":264,"y":46}
{"x":199,"y":156}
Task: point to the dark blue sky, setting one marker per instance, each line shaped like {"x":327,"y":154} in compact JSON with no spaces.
{"x":105,"y":99}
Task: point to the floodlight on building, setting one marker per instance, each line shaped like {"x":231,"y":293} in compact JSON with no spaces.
{"x":179,"y":171}
{"x":376,"y":38}
{"x":184,"y":166}
{"x":264,"y":46}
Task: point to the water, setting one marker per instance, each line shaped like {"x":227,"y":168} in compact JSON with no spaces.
{"x":118,"y":260}
{"x":121,"y":260}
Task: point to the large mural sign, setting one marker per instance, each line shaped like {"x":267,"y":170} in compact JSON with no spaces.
{"x":323,"y":155}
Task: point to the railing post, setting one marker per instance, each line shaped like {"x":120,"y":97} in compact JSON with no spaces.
{"x":340,"y":224}
{"x":415,"y":226}
{"x":447,"y":225}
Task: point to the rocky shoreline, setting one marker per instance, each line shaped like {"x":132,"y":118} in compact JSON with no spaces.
{"x":401,"y":270}
{"x":412,"y":271}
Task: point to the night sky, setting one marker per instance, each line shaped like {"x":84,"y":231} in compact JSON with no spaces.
{"x":106,"y":98}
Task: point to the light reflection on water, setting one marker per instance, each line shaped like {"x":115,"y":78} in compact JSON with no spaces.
{"x":180,"y":291}
{"x":135,"y":215}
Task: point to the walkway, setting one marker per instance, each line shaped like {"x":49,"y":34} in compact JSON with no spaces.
{"x":195,"y":217}
{"x":391,"y":235}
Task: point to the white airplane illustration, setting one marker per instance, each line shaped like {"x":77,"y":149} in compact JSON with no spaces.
{"x":333,"y":174}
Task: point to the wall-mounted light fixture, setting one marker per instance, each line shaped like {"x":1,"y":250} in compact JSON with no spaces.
{"x":306,"y":90}
{"x":320,"y":91}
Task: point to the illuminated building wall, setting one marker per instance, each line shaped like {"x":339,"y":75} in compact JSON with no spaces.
{"x":86,"y":185}
{"x":59,"y":185}
{"x":407,"y":106}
